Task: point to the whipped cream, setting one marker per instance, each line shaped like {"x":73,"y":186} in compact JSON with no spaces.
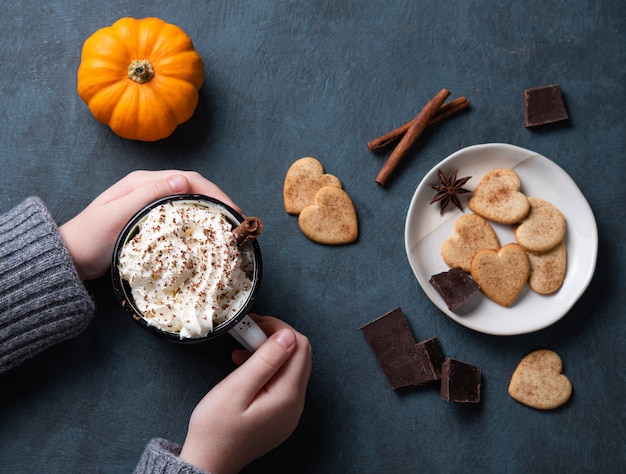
{"x":186,"y":273}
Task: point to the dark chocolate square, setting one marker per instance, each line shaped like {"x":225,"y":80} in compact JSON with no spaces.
{"x":460,"y":382}
{"x":454,"y":286}
{"x":404,"y":362}
{"x":543,"y":105}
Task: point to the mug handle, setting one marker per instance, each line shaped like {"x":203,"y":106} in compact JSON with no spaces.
{"x":248,"y":333}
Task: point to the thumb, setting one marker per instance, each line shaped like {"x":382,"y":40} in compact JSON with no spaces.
{"x":257,"y":371}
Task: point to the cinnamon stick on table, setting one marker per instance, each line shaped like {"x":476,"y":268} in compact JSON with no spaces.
{"x":416,"y":127}
{"x":249,"y":229}
{"x":444,"y":112}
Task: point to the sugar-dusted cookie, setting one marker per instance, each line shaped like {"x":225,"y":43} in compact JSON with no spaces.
{"x":539,"y":382}
{"x":331,"y":219}
{"x":497,"y":197}
{"x":501,"y":274}
{"x":542,"y":228}
{"x":547,"y":269}
{"x":471,"y":234}
{"x":304,"y":178}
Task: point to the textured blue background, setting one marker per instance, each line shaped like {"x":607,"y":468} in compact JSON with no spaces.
{"x":287,"y":79}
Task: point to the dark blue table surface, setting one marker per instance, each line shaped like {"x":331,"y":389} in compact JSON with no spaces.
{"x":287,"y":79}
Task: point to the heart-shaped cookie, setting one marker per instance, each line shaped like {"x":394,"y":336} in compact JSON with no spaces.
{"x":304,"y":178}
{"x":471,"y":234}
{"x":501,"y":274}
{"x":542,"y":228}
{"x":332,"y":219}
{"x":497,"y":197}
{"x":539,"y":382}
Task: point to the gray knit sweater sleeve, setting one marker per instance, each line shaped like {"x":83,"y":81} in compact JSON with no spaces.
{"x":43,"y":302}
{"x":161,"y":456}
{"x":42,"y":299}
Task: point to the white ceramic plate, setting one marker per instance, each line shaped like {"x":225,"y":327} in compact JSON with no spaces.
{"x":426,"y":229}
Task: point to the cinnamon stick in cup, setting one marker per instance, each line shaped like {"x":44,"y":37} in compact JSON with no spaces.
{"x":446,"y":110}
{"x":416,"y":127}
{"x":248,"y":230}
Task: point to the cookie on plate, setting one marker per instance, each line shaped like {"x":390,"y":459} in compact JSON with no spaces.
{"x":542,"y":228}
{"x":547,"y":269}
{"x":471,"y":234}
{"x":501,"y":274}
{"x":497,"y":197}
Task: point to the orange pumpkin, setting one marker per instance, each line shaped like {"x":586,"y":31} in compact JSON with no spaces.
{"x":140,"y":77}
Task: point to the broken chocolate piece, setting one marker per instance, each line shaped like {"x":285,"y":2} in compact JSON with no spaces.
{"x":460,"y":382}
{"x":455,"y":286}
{"x":431,"y":351}
{"x":404,"y":362}
{"x":543,"y":105}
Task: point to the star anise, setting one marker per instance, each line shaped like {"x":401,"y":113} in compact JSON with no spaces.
{"x":448,"y":189}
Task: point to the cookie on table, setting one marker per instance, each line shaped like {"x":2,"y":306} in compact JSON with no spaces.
{"x":539,"y":382}
{"x":304,"y":178}
{"x":331,"y":219}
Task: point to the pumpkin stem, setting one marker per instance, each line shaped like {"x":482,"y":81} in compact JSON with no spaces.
{"x":140,"y":70}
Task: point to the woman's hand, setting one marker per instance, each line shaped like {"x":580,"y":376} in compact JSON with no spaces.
{"x":91,"y":235}
{"x":256,"y":407}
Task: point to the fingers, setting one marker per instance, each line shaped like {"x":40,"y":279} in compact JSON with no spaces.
{"x":125,"y":207}
{"x":252,"y":376}
{"x":268,"y":324}
{"x":140,"y":188}
{"x":196,"y":183}
{"x":297,"y":370}
{"x":290,"y":377}
{"x":137,"y":179}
